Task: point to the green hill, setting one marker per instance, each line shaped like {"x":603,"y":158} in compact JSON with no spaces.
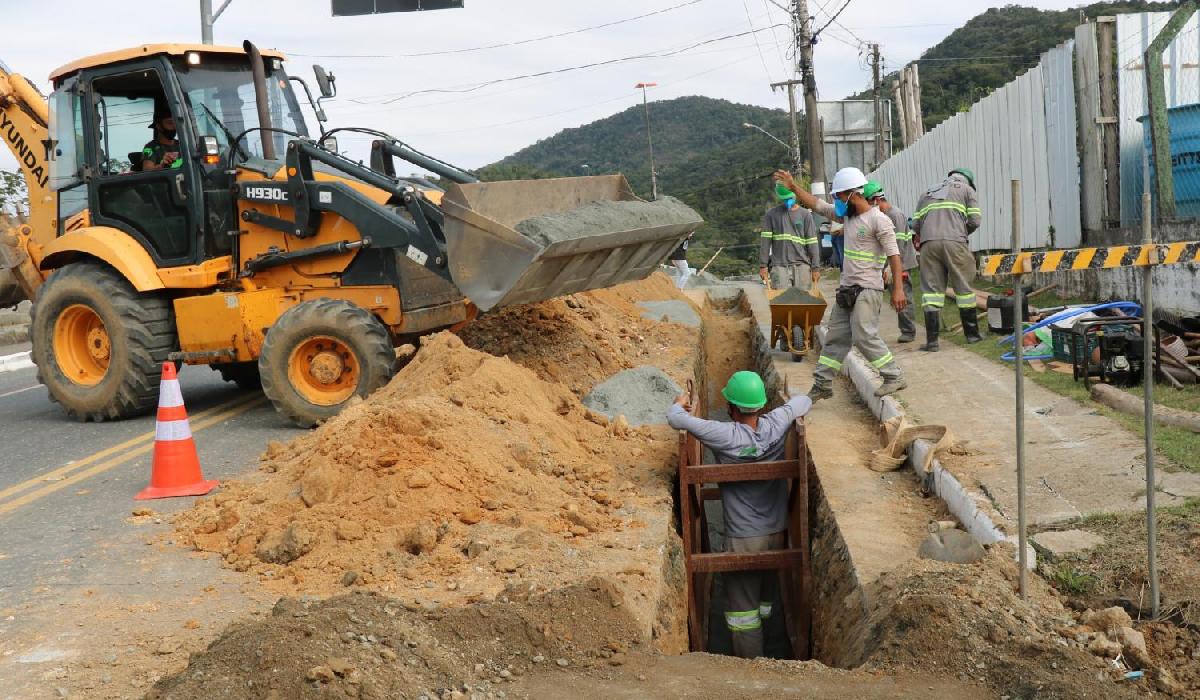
{"x":704,"y":156}
{"x":996,"y":46}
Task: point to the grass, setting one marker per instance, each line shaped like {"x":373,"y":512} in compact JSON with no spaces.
{"x":1067,"y":580}
{"x":1181,"y":447}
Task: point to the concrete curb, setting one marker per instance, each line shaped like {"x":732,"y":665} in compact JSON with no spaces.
{"x":11,"y":363}
{"x":11,"y":335}
{"x":965,"y":505}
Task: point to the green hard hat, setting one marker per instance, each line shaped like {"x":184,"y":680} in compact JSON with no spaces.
{"x":745,"y":389}
{"x":965,"y":172}
{"x":783,"y":193}
{"x":872,"y":189}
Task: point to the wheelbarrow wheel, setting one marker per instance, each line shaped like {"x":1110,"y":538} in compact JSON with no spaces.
{"x":798,"y":342}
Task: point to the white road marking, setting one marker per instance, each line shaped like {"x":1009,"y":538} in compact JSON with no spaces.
{"x":20,"y":360}
{"x":19,"y":391}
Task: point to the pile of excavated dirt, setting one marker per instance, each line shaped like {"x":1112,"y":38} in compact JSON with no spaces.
{"x":581,"y":340}
{"x":597,"y":218}
{"x":967,"y":620}
{"x":465,"y":475}
{"x":642,"y":395}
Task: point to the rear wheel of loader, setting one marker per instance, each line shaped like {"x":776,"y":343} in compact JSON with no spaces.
{"x":244,"y":374}
{"x":98,"y":344}
{"x":319,"y":355}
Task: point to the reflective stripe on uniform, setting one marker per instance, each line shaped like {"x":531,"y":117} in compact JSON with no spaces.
{"x":743,"y":621}
{"x":904,"y":235}
{"x":764,"y":611}
{"x":956,"y":206}
{"x":767,"y":234}
{"x":830,"y":363}
{"x":974,"y":210}
{"x":965,"y":301}
{"x":877,"y":364}
{"x":938,"y":300}
{"x":792,"y":239}
{"x":864,"y":256}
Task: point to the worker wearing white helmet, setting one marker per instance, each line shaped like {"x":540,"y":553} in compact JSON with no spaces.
{"x":854,"y":320}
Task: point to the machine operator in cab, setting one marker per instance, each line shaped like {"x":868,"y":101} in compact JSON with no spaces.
{"x":163,"y":150}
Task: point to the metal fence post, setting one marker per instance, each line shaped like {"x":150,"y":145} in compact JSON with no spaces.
{"x":1148,"y":409}
{"x":1019,"y":355}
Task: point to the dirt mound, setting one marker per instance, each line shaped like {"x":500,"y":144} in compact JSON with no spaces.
{"x":464,"y":474}
{"x":967,"y":620}
{"x":583,"y":339}
{"x":370,"y":646}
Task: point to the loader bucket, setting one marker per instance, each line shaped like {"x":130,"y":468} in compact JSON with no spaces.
{"x":495,"y":265}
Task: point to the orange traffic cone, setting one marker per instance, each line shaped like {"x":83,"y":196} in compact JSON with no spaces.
{"x":176,"y":467}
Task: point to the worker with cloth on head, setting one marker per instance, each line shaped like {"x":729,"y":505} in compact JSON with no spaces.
{"x":945,"y":216}
{"x":163,"y":150}
{"x":756,"y":512}
{"x":908,"y":256}
{"x":854,"y":319}
{"x":789,"y":252}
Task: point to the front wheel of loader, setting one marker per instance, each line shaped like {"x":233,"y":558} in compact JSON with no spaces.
{"x":319,"y":355}
{"x":98,"y":344}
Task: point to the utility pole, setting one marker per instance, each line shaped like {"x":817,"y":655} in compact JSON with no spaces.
{"x":812,"y":119}
{"x":649,"y":140}
{"x":208,"y":18}
{"x":878,"y":105}
{"x":797,"y":161}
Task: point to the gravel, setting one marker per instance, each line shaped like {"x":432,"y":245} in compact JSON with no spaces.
{"x":673,"y":311}
{"x":606,"y":217}
{"x":641,"y":394}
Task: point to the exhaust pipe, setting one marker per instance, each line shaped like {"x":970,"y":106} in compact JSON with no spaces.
{"x":260,"y":98}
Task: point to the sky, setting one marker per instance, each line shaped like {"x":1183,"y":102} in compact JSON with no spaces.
{"x":374,"y":57}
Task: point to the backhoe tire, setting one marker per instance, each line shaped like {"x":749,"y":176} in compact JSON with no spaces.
{"x":98,"y":344}
{"x":244,"y":374}
{"x":319,"y":355}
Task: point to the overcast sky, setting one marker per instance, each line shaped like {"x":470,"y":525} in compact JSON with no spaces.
{"x":372,"y":56}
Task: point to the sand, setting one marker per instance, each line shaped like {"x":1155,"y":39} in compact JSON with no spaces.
{"x":598,"y":218}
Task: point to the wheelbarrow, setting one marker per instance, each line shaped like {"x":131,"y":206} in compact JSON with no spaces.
{"x":793,"y":324}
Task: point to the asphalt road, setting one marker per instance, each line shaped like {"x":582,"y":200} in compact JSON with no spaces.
{"x":67,"y":487}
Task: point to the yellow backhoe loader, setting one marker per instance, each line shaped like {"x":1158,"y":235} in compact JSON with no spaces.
{"x":179,"y":210}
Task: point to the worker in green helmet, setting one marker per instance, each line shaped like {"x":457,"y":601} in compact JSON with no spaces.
{"x":946,"y":215}
{"x":873,"y":192}
{"x":789,"y":252}
{"x":756,"y":512}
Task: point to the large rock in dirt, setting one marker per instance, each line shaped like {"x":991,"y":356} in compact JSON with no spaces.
{"x":1133,"y":645}
{"x":321,"y":483}
{"x":1109,"y":620}
{"x":954,"y":546}
{"x":287,"y":546}
{"x":1105,"y":647}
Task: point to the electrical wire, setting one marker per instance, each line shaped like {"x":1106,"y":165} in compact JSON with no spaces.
{"x":521,"y":42}
{"x":557,"y":71}
{"x":832,"y":19}
{"x":757,"y":45}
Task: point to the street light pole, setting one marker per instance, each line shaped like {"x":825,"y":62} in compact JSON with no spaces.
{"x":649,"y":139}
{"x":768,"y":134}
{"x":208,"y":18}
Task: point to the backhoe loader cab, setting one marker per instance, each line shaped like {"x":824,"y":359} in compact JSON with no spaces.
{"x":183,"y":211}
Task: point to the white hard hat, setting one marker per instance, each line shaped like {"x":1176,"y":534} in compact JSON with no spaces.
{"x":848,"y":179}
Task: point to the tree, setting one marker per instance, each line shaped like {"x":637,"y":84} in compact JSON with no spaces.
{"x":14,"y":197}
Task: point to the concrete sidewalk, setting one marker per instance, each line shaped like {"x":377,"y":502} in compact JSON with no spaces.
{"x":1078,"y":462}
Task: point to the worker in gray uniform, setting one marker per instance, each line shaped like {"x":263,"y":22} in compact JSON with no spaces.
{"x":756,"y":512}
{"x":945,"y":216}
{"x":854,"y":319}
{"x":789,"y":252}
{"x":908,"y":257}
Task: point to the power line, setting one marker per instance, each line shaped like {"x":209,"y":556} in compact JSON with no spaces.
{"x":511,"y":43}
{"x":758,"y":46}
{"x":539,"y":74}
{"x":833,"y":18}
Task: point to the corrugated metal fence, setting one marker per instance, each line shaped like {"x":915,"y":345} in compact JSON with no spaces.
{"x":1181,"y":69}
{"x":1025,"y":130}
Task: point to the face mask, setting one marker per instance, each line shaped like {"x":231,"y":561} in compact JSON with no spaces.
{"x":789,"y":202}
{"x":840,"y":207}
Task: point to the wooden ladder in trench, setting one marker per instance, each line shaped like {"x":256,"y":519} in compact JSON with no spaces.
{"x":793,"y":564}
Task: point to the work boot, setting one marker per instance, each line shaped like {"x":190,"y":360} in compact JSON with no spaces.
{"x":891,"y":386}
{"x":818,"y":392}
{"x":906,"y":338}
{"x":970,"y":324}
{"x":933,"y":320}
